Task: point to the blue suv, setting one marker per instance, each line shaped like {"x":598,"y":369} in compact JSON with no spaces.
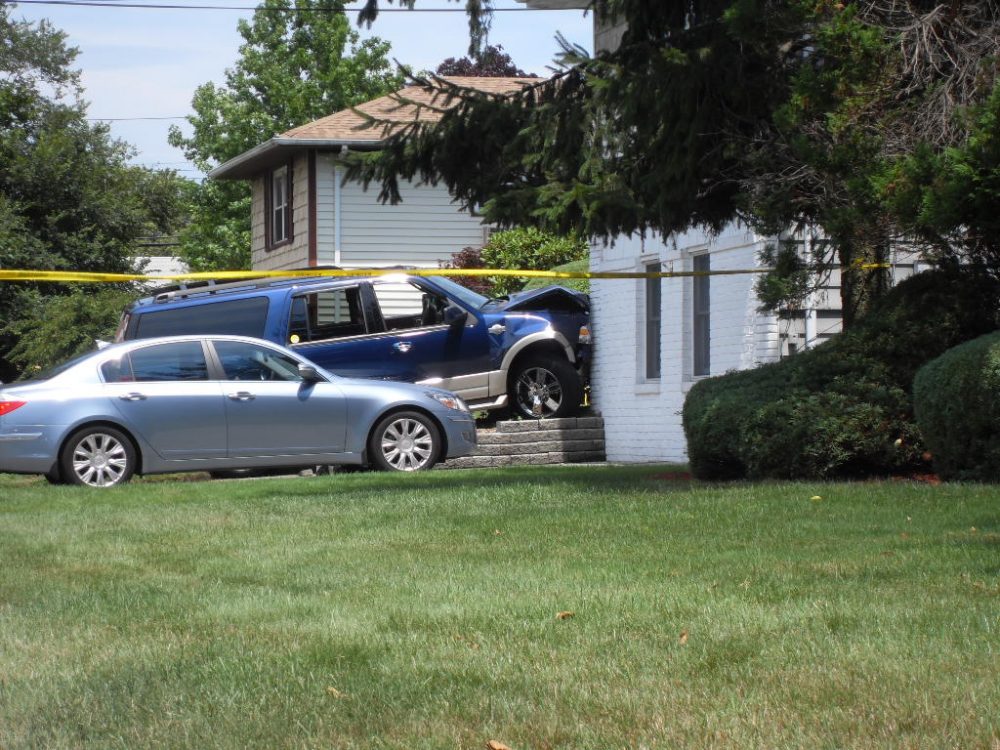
{"x":530,"y":351}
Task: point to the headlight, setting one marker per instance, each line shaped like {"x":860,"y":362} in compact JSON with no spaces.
{"x":449,"y":400}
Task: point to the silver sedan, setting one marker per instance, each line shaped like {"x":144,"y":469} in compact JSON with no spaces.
{"x":218,"y":403}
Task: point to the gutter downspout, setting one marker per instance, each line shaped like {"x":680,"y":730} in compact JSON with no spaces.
{"x":338,"y":176}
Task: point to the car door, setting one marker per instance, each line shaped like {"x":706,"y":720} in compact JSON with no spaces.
{"x":338,"y":329}
{"x":164,"y":395}
{"x":271,"y":410}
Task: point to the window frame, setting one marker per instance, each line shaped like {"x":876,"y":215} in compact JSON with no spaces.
{"x":281,"y":174}
{"x":701,"y":316}
{"x":653,"y":323}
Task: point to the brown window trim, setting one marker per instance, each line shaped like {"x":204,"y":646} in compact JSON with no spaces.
{"x":269,"y":243}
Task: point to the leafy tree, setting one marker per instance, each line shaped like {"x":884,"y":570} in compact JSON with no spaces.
{"x":69,"y":199}
{"x":57,"y":327}
{"x":782,"y":114}
{"x":492,"y":62}
{"x":299,"y":61}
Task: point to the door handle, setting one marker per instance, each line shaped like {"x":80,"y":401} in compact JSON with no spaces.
{"x":133,"y":396}
{"x":497,"y":328}
{"x":402,"y":346}
{"x":241,"y":396}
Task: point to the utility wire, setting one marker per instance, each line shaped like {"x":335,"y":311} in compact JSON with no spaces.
{"x":242,"y":8}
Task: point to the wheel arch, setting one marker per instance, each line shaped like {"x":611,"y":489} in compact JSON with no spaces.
{"x":546,"y":342}
{"x":102,"y":423}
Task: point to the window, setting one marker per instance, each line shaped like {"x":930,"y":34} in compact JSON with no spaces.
{"x":701,"y":308}
{"x":241,"y":317}
{"x":278,"y":206}
{"x":329,"y":314}
{"x":654,"y":306}
{"x":242,"y":361}
{"x":184,"y":360}
{"x":405,"y":305}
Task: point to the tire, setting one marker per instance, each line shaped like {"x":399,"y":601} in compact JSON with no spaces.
{"x":98,"y":456}
{"x":544,"y":388}
{"x":404,"y":441}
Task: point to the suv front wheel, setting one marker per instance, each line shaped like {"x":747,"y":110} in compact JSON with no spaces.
{"x":544,"y":388}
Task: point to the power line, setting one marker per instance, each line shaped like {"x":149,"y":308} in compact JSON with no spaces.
{"x":132,"y":119}
{"x":243,"y":8}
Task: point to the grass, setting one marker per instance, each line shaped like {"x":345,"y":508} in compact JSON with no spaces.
{"x":378,"y":611}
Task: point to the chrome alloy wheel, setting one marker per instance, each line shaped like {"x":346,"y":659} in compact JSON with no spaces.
{"x":538,"y":392}
{"x":407,"y":444}
{"x":100,"y":460}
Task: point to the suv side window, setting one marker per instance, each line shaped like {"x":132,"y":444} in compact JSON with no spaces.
{"x":405,"y":305}
{"x":240,"y":317}
{"x":327,"y":314}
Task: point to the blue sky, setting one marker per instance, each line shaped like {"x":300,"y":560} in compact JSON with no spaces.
{"x":139,"y":62}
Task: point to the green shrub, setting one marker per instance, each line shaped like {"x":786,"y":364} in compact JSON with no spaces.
{"x":530,"y":249}
{"x":574,"y":266}
{"x":956,"y":399}
{"x":844,"y":408}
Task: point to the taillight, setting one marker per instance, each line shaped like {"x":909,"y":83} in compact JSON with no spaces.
{"x":584,"y":336}
{"x":6,"y":407}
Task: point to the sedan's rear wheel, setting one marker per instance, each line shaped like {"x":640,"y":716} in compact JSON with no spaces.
{"x":98,"y":457}
{"x":404,"y":441}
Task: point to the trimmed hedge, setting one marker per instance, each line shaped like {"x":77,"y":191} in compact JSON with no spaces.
{"x":956,"y":400}
{"x":843,"y":409}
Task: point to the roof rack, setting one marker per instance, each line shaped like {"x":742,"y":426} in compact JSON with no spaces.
{"x":185,"y":289}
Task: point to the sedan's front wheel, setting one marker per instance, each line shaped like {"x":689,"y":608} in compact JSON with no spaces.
{"x":404,"y":441}
{"x":98,"y":457}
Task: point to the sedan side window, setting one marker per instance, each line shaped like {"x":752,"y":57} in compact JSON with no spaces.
{"x":241,"y":361}
{"x":184,"y":360}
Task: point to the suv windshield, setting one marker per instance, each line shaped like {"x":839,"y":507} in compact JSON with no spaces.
{"x":467,"y":296}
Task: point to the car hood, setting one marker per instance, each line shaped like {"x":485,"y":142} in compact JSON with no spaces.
{"x":546,"y":298}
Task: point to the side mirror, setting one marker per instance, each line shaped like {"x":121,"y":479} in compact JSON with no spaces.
{"x":455,"y":316}
{"x":309,"y":373}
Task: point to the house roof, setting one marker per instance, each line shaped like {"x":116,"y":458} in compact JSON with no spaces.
{"x":349,"y":129}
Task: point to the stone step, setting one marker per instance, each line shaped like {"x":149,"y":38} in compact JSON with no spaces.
{"x":537,"y":442}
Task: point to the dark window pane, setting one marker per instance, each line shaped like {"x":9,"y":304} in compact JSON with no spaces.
{"x":702,"y":316}
{"x":184,"y":360}
{"x":654,"y":300}
{"x":117,"y":370}
{"x":241,"y":317}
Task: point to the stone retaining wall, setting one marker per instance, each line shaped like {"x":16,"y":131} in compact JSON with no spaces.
{"x":574,"y":440}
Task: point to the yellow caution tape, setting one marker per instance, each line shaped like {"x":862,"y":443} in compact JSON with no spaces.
{"x":89,"y":277}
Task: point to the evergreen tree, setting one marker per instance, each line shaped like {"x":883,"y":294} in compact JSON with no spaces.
{"x":299,"y":61}
{"x":783,"y":114}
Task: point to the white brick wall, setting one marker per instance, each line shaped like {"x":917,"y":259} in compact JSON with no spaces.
{"x":642,"y":417}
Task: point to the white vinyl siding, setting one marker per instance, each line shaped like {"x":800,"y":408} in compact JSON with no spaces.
{"x":426,"y":229}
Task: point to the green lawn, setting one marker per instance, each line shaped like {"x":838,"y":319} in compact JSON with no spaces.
{"x":380,"y":611}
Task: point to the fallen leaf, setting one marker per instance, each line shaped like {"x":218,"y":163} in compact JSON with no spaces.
{"x":498,"y":532}
{"x":684,"y":637}
{"x":816,"y":498}
{"x":904,"y":536}
{"x":335,"y":693}
{"x":973,"y":530}
{"x":565,"y":615}
{"x":496,"y":745}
